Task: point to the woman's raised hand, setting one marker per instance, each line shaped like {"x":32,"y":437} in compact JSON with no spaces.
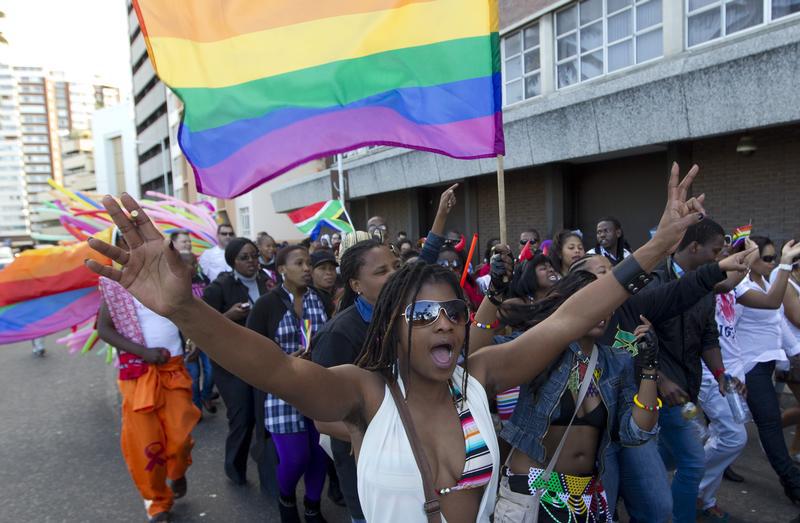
{"x":680,"y":212}
{"x":151,"y":269}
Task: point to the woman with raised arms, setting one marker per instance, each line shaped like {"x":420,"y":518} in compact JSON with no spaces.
{"x":409,"y":340}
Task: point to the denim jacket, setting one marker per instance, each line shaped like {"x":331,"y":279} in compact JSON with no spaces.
{"x":530,"y":422}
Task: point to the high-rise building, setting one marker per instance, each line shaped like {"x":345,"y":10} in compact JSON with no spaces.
{"x":52,"y":107}
{"x":78,"y":162}
{"x":152,"y":122}
{"x":14,"y":224}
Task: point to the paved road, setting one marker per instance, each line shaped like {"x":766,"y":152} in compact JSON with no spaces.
{"x":60,"y":458}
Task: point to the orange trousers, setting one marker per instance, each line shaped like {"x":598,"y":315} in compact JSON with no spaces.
{"x":157,"y":420}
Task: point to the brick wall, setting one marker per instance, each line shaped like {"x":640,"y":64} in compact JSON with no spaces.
{"x":764,"y":187}
{"x":515,"y":10}
{"x":525,"y":194}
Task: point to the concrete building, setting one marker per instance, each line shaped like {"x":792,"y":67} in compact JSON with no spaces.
{"x":600,"y":97}
{"x":151,"y":116}
{"x":114,"y":136}
{"x":14,"y":221}
{"x":77,"y":152}
{"x":51,"y":107}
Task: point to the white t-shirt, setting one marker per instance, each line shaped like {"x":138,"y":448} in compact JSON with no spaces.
{"x":760,"y":332}
{"x":212,"y":262}
{"x":158,"y":331}
{"x":726,"y":326}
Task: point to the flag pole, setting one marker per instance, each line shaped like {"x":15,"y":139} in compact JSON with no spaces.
{"x":501,"y":199}
{"x":341,"y":189}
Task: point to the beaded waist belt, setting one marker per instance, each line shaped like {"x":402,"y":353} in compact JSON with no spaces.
{"x":578,"y":494}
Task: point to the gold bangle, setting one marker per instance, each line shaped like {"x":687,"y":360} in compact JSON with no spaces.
{"x":645,"y":407}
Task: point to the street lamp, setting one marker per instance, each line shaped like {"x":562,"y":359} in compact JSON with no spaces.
{"x":163,"y":160}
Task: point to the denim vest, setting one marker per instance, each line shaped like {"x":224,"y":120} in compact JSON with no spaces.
{"x":530,"y":422}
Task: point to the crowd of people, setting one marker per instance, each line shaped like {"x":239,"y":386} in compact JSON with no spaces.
{"x":543,"y":382}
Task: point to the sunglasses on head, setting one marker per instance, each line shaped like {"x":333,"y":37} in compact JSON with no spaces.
{"x":769,"y":259}
{"x":425,"y":312}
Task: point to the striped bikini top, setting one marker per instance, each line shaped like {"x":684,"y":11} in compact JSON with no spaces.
{"x":478,"y":462}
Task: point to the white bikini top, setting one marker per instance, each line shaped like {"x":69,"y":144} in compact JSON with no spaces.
{"x":389,"y":482}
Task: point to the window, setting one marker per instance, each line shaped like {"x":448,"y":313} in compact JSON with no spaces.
{"x":32,"y":98}
{"x":41,"y":129}
{"x":596,"y":37}
{"x":36,"y":138}
{"x":244,"y":221}
{"x":37,"y":158}
{"x":37,"y":168}
{"x":521,"y":65}
{"x":781,"y":8}
{"x":36,"y":149}
{"x":33,"y":118}
{"x":34,"y":109}
{"x":708,"y":20}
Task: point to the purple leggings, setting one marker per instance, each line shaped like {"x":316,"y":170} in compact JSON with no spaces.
{"x":299,"y":454}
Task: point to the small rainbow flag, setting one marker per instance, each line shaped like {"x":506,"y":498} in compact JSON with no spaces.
{"x":311,"y":219}
{"x":740,"y":234}
{"x":268,"y":86}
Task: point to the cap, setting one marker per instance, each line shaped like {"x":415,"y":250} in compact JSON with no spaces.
{"x":321,"y":256}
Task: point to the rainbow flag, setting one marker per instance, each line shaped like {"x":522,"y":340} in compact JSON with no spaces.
{"x":268,"y":86}
{"x":310,"y":220}
{"x":741,"y":234}
{"x":52,"y":270}
{"x":39,"y":317}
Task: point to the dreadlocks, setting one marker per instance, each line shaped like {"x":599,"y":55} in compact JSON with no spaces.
{"x":380,"y":350}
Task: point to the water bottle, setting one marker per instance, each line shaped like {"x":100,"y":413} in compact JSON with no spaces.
{"x":692,"y":414}
{"x":741,"y":414}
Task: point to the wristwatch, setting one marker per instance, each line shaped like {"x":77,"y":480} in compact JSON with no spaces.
{"x":785,"y":267}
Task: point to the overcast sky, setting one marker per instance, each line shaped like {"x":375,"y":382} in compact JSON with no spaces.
{"x":81,"y":37}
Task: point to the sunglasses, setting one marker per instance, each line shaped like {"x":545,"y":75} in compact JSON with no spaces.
{"x":769,"y":259}
{"x":426,"y":312}
{"x":247,"y":257}
{"x":449,"y":263}
{"x":227,"y":233}
{"x":534,"y":241}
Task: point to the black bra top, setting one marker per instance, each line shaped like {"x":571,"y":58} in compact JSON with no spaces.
{"x":596,"y":418}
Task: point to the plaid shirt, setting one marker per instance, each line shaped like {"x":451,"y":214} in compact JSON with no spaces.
{"x":279,"y":416}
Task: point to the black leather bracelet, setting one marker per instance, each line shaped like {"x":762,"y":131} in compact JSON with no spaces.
{"x":631,"y":276}
{"x":651,"y":377}
{"x":492,"y":297}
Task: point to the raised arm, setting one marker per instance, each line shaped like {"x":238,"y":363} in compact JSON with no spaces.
{"x":519,"y":361}
{"x":153,"y":272}
{"x":435,"y":239}
{"x":791,"y":306}
{"x":777,"y":290}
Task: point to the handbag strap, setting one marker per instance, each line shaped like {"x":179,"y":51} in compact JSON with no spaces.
{"x":431,"y":507}
{"x":587,"y":380}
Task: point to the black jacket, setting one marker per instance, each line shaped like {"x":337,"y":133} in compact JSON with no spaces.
{"x":658,"y":303}
{"x":226,"y":291}
{"x":683,"y":338}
